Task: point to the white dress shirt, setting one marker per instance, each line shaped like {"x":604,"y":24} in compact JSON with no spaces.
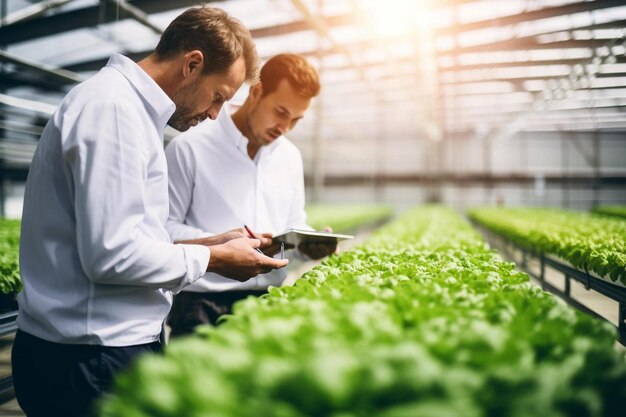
{"x":96,"y":260}
{"x":214,"y":187}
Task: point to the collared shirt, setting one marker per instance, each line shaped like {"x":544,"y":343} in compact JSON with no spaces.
{"x":214,"y":187}
{"x":96,"y":260}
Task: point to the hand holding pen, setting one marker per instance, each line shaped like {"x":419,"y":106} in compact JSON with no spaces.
{"x":253,"y":237}
{"x":270,"y":248}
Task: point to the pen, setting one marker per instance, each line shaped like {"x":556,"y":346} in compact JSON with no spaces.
{"x":253,"y":237}
{"x":282,"y":250}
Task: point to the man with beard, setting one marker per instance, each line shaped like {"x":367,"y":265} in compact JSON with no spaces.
{"x":241,"y":170}
{"x":98,"y":266}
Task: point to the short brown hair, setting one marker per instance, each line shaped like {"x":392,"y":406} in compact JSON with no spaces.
{"x":222,"y":39}
{"x":300,"y":74}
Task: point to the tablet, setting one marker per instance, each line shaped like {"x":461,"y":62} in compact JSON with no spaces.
{"x":296,"y":236}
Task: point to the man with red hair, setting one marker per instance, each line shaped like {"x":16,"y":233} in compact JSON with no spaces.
{"x":239,"y":171}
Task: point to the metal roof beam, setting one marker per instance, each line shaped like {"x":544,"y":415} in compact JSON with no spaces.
{"x":98,"y":63}
{"x":524,"y":44}
{"x":302,"y":26}
{"x":59,"y":74}
{"x":15,"y":79}
{"x":83,"y":18}
{"x":91,"y":16}
{"x":137,"y":14}
{"x":544,"y":13}
{"x":32,"y":11}
{"x":338,"y":20}
{"x":531,"y":63}
{"x":31,"y":105}
{"x":491,"y":78}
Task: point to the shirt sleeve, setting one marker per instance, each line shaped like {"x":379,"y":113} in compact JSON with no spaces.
{"x":108,"y":157}
{"x":181,"y":173}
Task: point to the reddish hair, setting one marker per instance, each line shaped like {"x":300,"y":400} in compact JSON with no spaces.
{"x":300,"y":74}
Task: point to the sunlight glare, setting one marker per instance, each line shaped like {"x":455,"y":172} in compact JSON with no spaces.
{"x":396,"y":17}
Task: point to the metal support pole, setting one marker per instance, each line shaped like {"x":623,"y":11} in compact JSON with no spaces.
{"x":565,"y":201}
{"x":600,"y":286}
{"x":379,"y":150}
{"x":542,"y":275}
{"x":596,"y":167}
{"x":318,"y":152}
{"x":318,"y":145}
{"x":30,"y":12}
{"x":526,"y":137}
{"x":2,"y":189}
{"x":487,"y":168}
{"x":3,"y":14}
{"x":621,"y":325}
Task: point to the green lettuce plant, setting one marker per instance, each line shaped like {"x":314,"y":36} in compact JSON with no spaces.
{"x":422,"y":320}
{"x":345,"y":218}
{"x":617,"y":211}
{"x":10,"y":280}
{"x":588,"y":242}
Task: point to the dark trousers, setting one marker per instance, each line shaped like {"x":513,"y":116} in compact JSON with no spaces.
{"x":53,"y":379}
{"x":191,"y":309}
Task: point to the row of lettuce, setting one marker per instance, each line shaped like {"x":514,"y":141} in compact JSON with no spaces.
{"x":590,"y":243}
{"x":347,"y":218}
{"x":10,"y":281}
{"x":615,"y":211}
{"x":342,"y":218}
{"x":423,"y":320}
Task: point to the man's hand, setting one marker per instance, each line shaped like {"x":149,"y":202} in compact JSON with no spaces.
{"x":318,"y":250}
{"x":237,"y":259}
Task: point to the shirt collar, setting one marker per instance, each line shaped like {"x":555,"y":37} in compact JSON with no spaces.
{"x":153,"y":95}
{"x":235,"y":136}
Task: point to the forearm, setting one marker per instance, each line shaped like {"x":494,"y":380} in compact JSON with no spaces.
{"x":205,"y":241}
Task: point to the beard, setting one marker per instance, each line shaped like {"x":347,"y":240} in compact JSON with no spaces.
{"x":183,"y":117}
